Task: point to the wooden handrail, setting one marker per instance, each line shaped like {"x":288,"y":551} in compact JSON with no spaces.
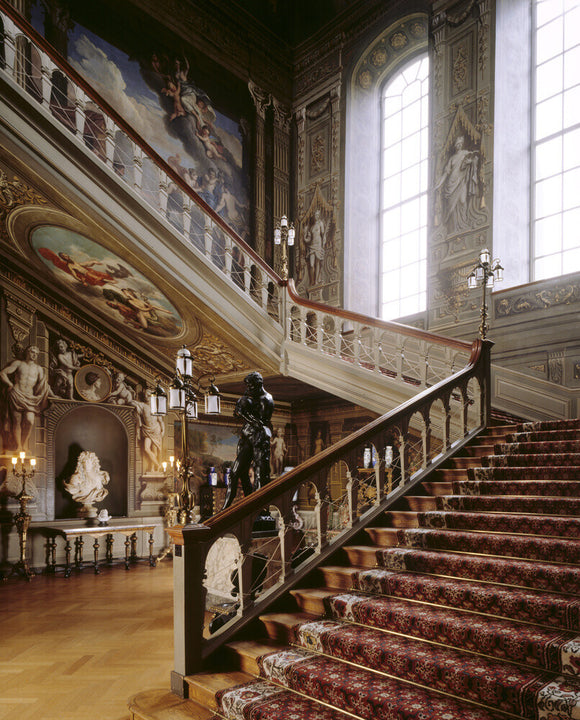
{"x":221,"y":521}
{"x":376,"y":322}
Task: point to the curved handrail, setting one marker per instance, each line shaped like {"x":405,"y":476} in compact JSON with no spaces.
{"x":352,"y":316}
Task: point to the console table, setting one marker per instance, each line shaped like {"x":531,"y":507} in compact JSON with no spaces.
{"x":96,"y":533}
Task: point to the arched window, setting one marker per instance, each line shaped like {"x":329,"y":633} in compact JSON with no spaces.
{"x":403,"y":194}
{"x":386,"y":171}
{"x":556,"y":139}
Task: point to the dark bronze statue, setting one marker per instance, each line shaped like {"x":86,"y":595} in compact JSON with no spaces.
{"x":255,"y":408}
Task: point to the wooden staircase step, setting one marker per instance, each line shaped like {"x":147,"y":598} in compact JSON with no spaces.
{"x":385,"y":537}
{"x":244,"y":654}
{"x":464,"y":462}
{"x":450,"y":474}
{"x":479,"y":450}
{"x":311,"y":600}
{"x":419,"y":503}
{"x":164,"y":705}
{"x":279,"y":625}
{"x":338,"y":577}
{"x":203,"y":686}
{"x":363,"y":555}
{"x":401,"y":519}
{"x":438,"y":488}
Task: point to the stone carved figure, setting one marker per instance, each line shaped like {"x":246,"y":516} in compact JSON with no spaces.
{"x":278,"y":452}
{"x":151,"y":431}
{"x":26,"y":395}
{"x":459,"y":185}
{"x":63,"y":365}
{"x":87,"y":484}
{"x":315,"y":240}
{"x":255,"y":408}
{"x":122,"y":393}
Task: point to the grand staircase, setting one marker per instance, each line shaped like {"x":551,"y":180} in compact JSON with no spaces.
{"x":464,"y":603}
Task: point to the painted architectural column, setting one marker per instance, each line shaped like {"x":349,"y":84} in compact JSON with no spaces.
{"x":262,"y":100}
{"x":281,"y":194}
{"x":462,"y":157}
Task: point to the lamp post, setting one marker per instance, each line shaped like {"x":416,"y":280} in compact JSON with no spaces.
{"x":486,"y":273}
{"x":183,"y":399}
{"x":284,"y":235}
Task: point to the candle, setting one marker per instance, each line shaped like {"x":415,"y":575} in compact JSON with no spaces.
{"x":22,"y":455}
{"x":14,"y":460}
{"x":171,"y":460}
{"x":32,"y":462}
{"x":164,"y":466}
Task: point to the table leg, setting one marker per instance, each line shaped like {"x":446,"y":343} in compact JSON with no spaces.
{"x":152,"y":562}
{"x":134,"y":547}
{"x":67,"y":565}
{"x":127,"y":550}
{"x":96,"y":552}
{"x":79,"y":542}
{"x":109,"y":548}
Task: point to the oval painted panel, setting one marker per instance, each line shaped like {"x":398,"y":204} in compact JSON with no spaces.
{"x":102,"y":279}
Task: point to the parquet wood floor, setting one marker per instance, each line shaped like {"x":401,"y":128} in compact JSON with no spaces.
{"x":77,"y":649}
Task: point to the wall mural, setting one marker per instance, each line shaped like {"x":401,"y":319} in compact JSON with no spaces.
{"x":161,"y":98}
{"x":101,"y":279}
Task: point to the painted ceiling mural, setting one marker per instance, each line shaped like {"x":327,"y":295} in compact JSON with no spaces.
{"x":101,"y":279}
{"x":160,"y":96}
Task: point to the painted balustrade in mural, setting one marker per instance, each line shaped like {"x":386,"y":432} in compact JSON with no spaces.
{"x":316,"y":508}
{"x":27,"y":61}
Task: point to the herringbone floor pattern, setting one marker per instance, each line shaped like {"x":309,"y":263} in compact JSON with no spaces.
{"x":77,"y":649}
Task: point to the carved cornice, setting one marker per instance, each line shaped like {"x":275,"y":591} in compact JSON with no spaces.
{"x":262,"y":99}
{"x":20,"y":317}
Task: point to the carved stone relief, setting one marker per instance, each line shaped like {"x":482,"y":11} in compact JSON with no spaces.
{"x":538,"y":299}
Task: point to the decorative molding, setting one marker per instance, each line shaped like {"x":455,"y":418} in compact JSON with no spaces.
{"x":564,"y":293}
{"x":262,"y":99}
{"x":15,"y":193}
{"x":20,"y":317}
{"x":556,"y":367}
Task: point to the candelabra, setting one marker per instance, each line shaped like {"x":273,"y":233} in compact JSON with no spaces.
{"x":183,"y":399}
{"x":171,"y":509}
{"x":284,"y":235}
{"x":487,"y":273}
{"x":22,"y":517}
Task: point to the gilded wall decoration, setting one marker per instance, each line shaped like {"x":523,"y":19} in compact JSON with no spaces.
{"x":20,"y":317}
{"x":15,"y":193}
{"x":214,"y":357}
{"x":460,"y":68}
{"x":556,"y":368}
{"x":577,"y":371}
{"x":531,"y":300}
{"x":398,"y":40}
{"x":317,"y":154}
{"x":452,"y":293}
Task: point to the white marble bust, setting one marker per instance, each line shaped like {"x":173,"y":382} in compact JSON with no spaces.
{"x":87,"y":484}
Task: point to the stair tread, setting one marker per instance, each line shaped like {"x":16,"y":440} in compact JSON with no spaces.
{"x":158,"y":704}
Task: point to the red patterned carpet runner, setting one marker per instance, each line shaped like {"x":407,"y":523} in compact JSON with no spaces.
{"x":473,"y":613}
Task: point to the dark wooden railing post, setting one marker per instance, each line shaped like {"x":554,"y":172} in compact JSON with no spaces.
{"x":190,"y":551}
